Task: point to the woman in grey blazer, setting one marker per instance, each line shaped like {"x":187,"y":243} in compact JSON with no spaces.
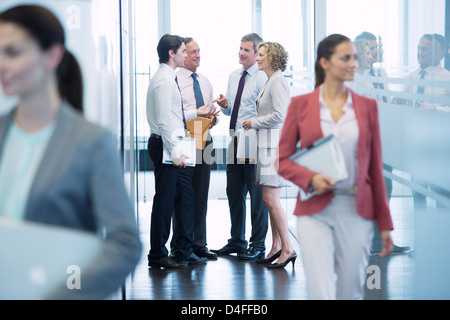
{"x":57,"y":168}
{"x":271,"y":106}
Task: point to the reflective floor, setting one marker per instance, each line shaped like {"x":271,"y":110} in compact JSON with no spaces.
{"x":229,"y":278}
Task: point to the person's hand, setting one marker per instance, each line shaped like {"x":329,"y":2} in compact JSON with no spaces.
{"x":213,"y":121}
{"x":247,"y":124}
{"x":388,"y":244}
{"x":208,"y":111}
{"x":322,"y":184}
{"x":181,"y":161}
{"x":222,"y":101}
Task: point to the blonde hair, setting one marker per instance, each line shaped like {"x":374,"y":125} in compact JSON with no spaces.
{"x":276,"y":54}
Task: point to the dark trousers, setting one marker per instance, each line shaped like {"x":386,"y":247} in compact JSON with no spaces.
{"x":174,"y":196}
{"x":377,"y":242}
{"x":241,"y":179}
{"x":200,"y":178}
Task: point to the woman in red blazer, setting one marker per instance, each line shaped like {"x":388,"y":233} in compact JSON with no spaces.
{"x":335,"y":227}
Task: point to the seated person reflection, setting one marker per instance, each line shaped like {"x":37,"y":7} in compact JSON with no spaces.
{"x":431,"y":51}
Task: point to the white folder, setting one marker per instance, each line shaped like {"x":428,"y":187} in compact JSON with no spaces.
{"x":325,"y":157}
{"x":189,"y":149}
{"x":38,"y":258}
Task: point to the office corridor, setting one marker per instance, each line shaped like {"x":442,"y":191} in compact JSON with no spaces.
{"x":229,"y":278}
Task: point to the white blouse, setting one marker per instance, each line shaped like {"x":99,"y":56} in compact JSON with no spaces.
{"x":346,"y":130}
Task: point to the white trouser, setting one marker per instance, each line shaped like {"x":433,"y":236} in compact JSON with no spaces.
{"x":335,"y":246}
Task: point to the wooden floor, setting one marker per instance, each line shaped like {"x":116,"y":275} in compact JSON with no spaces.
{"x":229,"y":278}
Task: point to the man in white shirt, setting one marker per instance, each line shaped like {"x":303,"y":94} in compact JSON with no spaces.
{"x":432,"y":49}
{"x":433,"y":83}
{"x":241,"y":175}
{"x":174,"y":193}
{"x":197,"y":91}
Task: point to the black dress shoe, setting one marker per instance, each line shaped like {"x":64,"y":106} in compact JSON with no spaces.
{"x":193,"y":259}
{"x":203,"y":252}
{"x":228,"y":250}
{"x":270,"y":259}
{"x":252,"y":253}
{"x":166,"y":262}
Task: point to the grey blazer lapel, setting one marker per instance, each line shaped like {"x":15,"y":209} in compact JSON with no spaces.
{"x":5,"y":123}
{"x":53,"y":160}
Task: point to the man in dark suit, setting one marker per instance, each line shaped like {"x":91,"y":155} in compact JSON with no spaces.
{"x":174,"y":194}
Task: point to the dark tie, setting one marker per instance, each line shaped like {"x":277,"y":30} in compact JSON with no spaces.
{"x":182,"y":109}
{"x":198,"y":92}
{"x":237,"y":102}
{"x":421,"y":89}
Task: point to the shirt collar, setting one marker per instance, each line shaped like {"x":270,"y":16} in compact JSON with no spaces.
{"x":168,"y":69}
{"x":252,"y":70}
{"x":432,"y":69}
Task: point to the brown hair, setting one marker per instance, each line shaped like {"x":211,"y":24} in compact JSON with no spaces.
{"x":45,"y":27}
{"x":325,"y":50}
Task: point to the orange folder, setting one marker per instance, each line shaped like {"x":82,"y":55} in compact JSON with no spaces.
{"x":199,"y":129}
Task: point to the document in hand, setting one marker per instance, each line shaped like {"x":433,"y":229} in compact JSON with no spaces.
{"x":189,"y":149}
{"x":199,"y":129}
{"x":38,"y":258}
{"x":326,"y":157}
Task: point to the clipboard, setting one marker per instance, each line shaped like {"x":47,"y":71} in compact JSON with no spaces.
{"x":325,"y":156}
{"x":199,"y":129}
{"x":188,"y":148}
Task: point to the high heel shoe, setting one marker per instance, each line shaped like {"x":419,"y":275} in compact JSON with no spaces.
{"x":292,"y":258}
{"x":269,"y":260}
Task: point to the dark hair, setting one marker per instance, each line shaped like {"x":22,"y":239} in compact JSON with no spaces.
{"x":443,"y":43}
{"x":45,"y":27}
{"x":166,"y":43}
{"x":325,"y":50}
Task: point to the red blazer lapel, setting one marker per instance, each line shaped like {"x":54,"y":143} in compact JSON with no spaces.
{"x":362,"y":117}
{"x":314,"y":131}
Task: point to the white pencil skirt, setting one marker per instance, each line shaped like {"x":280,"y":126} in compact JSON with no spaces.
{"x":335,"y":247}
{"x":266,"y":172}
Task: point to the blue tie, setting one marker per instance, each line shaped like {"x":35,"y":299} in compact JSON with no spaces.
{"x":198,"y":92}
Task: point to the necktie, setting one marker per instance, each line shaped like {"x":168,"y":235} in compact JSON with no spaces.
{"x":421,"y":89}
{"x":237,"y":102}
{"x":198,"y":92}
{"x":182,"y":109}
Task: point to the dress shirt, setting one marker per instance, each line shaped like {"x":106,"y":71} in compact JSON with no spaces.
{"x":254,"y":83}
{"x":346,"y":131}
{"x":436,"y":73}
{"x":164,"y":110}
{"x":186,"y":83}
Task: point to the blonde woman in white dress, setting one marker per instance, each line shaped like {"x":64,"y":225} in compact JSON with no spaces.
{"x":271,"y":106}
